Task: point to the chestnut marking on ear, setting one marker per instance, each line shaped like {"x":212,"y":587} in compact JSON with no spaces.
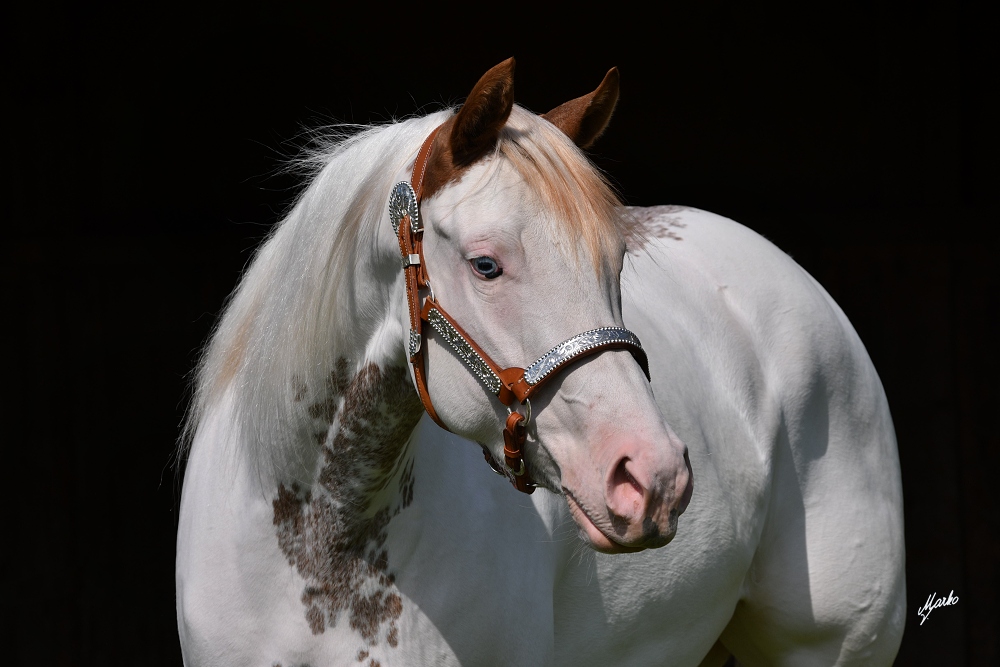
{"x":585,"y":118}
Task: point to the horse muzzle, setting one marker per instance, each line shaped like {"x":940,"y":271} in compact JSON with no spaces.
{"x":640,"y":507}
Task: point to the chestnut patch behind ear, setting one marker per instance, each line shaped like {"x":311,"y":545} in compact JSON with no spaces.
{"x":473,"y":131}
{"x":584,"y":119}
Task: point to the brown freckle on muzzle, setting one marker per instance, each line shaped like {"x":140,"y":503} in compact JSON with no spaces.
{"x":651,"y":531}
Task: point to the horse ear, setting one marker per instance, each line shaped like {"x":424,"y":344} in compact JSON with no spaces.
{"x":584,"y":119}
{"x":479,"y":121}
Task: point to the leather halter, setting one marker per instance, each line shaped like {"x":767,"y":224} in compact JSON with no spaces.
{"x":509,"y":384}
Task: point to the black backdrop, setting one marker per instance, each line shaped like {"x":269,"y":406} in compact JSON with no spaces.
{"x":147,"y":146}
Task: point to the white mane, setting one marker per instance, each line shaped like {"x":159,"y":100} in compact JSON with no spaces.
{"x":286,"y":324}
{"x":282,"y":319}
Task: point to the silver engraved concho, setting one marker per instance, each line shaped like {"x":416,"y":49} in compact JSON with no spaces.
{"x":402,"y":203}
{"x":576,"y":345}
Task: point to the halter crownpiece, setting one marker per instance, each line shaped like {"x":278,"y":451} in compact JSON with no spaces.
{"x":508,"y":385}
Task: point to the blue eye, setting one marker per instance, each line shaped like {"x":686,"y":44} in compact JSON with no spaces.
{"x":487,"y":267}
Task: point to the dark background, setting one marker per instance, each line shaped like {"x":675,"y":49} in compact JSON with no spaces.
{"x":147,"y":146}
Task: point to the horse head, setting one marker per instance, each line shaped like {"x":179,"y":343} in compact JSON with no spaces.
{"x":523,"y":242}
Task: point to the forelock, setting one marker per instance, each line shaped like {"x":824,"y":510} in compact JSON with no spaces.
{"x":575,"y":194}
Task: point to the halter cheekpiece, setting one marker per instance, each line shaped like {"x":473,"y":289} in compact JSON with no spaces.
{"x":509,"y":384}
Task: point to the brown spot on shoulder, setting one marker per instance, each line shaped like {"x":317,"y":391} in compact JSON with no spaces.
{"x":337,"y":548}
{"x":325,"y":408}
{"x":660,"y":222}
{"x":317,"y":623}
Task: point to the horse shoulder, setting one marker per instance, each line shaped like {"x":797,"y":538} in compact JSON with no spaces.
{"x":467,"y":543}
{"x":241,"y":595}
{"x":788,"y":369}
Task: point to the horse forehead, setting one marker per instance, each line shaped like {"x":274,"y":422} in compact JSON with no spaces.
{"x":490,"y":195}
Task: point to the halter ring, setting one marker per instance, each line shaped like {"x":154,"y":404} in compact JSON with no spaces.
{"x":527,"y":415}
{"x":492,"y":462}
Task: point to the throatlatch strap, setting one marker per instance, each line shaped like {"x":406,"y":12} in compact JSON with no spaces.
{"x":411,"y":248}
{"x":416,"y":346}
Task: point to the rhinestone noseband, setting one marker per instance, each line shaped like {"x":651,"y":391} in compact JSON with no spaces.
{"x":509,"y":385}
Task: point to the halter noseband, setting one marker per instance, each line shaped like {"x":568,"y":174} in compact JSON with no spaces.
{"x":508,"y":385}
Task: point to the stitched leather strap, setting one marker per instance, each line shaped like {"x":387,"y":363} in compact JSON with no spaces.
{"x":514,"y":434}
{"x":410,"y":246}
{"x":518,"y":384}
{"x":416,"y":344}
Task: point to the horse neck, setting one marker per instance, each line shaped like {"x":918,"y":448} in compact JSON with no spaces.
{"x":359,"y":420}
{"x":338,"y":406}
{"x":354,"y":408}
{"x":310,"y":355}
{"x":358,"y":415}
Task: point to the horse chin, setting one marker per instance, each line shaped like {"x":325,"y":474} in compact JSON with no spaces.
{"x":598,"y":539}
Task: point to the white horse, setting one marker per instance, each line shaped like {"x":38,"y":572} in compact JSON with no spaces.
{"x":324,"y":522}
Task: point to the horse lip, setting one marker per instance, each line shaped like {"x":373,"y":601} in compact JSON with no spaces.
{"x":604,"y":542}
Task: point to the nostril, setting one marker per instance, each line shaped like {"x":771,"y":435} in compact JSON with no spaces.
{"x":626,"y":496}
{"x":630,"y":479}
{"x":623,"y":476}
{"x":689,"y":486}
